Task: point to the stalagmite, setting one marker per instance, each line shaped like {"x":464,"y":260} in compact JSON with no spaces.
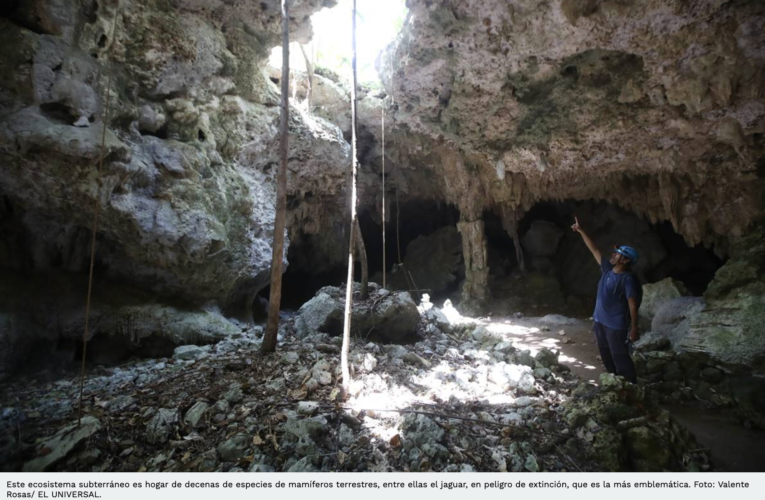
{"x":475,"y":292}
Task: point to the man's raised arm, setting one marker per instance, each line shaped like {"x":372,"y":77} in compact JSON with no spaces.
{"x":587,"y":241}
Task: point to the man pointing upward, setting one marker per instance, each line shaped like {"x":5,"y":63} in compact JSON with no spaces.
{"x":616,"y":308}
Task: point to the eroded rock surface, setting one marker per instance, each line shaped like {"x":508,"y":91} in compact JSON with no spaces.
{"x":655,"y":106}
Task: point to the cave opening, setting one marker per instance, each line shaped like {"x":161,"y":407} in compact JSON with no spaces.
{"x":552,"y":249}
{"x":417,"y":218}
{"x":308,"y":270}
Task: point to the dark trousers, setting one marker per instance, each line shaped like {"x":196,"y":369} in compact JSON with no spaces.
{"x":614,"y":351}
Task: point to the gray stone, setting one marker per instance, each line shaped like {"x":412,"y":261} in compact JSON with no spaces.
{"x":436,"y":317}
{"x":63,"y":443}
{"x":321,"y":314}
{"x":290,"y":358}
{"x":558,"y":320}
{"x":480,"y":334}
{"x":188,"y":352}
{"x":369,"y":362}
{"x":345,"y":435}
{"x":162,"y":425}
{"x":652,"y":341}
{"x":520,"y":377}
{"x":302,"y":465}
{"x":525,"y":358}
{"x":234,"y":393}
{"x":307,"y":407}
{"x":233,"y":449}
{"x":415,"y":360}
{"x":120,"y":403}
{"x":655,"y":295}
{"x":209,"y":461}
{"x":195,"y":415}
{"x":547,"y":358}
{"x":530,"y":464}
{"x":305,"y":428}
{"x":322,"y":377}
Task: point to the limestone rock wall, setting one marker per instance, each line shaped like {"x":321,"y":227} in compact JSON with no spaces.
{"x":654,"y":106}
{"x":188,"y":186}
{"x":657,"y":107}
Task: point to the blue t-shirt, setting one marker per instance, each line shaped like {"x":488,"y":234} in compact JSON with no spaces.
{"x":612,"y":308}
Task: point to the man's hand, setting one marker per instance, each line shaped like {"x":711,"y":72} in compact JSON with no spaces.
{"x":634,"y":335}
{"x":587,"y":240}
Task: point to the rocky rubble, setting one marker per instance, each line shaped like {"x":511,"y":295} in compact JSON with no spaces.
{"x":687,"y":377}
{"x":460,"y":398}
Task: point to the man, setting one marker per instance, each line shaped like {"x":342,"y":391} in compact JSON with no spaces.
{"x":616,"y":309}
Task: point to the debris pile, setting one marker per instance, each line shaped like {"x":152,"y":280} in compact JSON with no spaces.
{"x":694,"y":377}
{"x":460,"y":398}
{"x":629,"y":432}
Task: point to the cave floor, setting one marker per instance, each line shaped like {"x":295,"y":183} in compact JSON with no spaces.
{"x":575,"y":341}
{"x":259,"y":397}
{"x":732,"y":446}
{"x":262,"y":414}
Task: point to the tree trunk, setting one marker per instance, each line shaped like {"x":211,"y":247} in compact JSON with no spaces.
{"x":362,"y":249}
{"x":309,"y":70}
{"x":383,"y":193}
{"x":277,"y":257}
{"x":354,"y":168}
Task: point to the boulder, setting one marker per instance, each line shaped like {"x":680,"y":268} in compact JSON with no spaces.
{"x":655,"y":295}
{"x":729,"y":328}
{"x":323,"y":313}
{"x":386,"y":316}
{"x":673,"y":319}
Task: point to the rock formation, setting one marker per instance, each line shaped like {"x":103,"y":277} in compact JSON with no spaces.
{"x":187,"y":190}
{"x":653,"y":106}
{"x":644,"y":118}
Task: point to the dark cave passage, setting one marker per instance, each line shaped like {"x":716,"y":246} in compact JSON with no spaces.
{"x":551,"y":248}
{"x":418,"y":218}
